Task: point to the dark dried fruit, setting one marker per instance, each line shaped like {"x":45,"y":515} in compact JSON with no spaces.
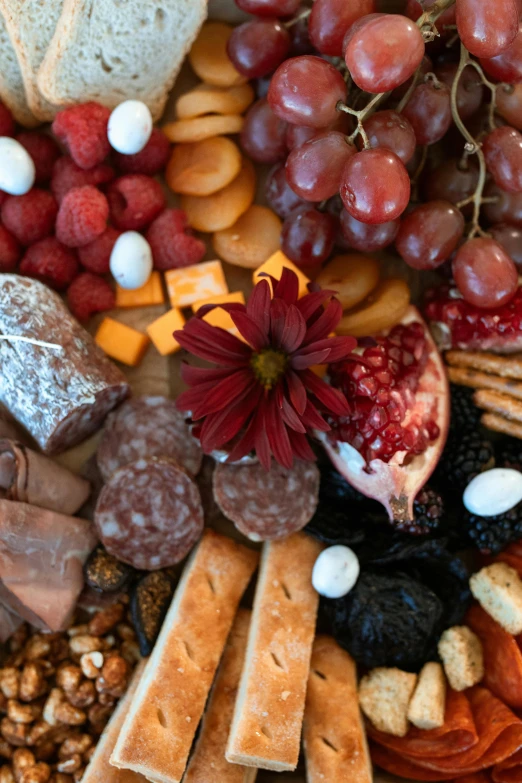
{"x":105,"y":573}
{"x":510,"y":454}
{"x":428,"y":508}
{"x":332,"y":526}
{"x":465,"y":416}
{"x":466,"y":455}
{"x":493,"y":534}
{"x":149,"y":602}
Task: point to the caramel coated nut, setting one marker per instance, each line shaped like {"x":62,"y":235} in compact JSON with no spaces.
{"x":71,"y":716}
{"x":70,"y":765}
{"x":83,"y":696}
{"x":38,"y":731}
{"x":22,"y":758}
{"x":69,"y":677}
{"x":14,"y":733}
{"x":32,"y":683}
{"x":39,"y":773}
{"x":125,"y":632}
{"x":131,"y":652}
{"x":6,"y":776}
{"x":91,"y":664}
{"x":55,"y":698}
{"x":37,"y":647}
{"x":113,"y":676}
{"x":60,"y":777}
{"x":77,"y":744}
{"x":6,"y":750}
{"x":104,"y":621}
{"x":78,"y":630}
{"x":10,"y":682}
{"x":86,"y":643}
{"x":22,"y":713}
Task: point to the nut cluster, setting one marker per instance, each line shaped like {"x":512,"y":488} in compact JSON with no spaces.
{"x":57,"y":692}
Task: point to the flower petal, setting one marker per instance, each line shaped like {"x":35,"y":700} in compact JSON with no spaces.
{"x":191,"y":398}
{"x":287,"y":287}
{"x":192,"y":375}
{"x":340,"y":348}
{"x":219,"y":428}
{"x":326,"y":322}
{"x":294,"y":330}
{"x":213,"y":344}
{"x":258,"y":306}
{"x":291,"y":418}
{"x":296,"y":391}
{"x":250,"y":330}
{"x":225,"y":393}
{"x":277,"y":435}
{"x":309,"y":303}
{"x":278,"y":311}
{"x":333,"y":399}
{"x":301,"y":447}
{"x":227,"y":306}
{"x":304,"y":360}
{"x":313,"y":419}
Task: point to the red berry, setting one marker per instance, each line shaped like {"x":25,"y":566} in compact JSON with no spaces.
{"x":7,"y":126}
{"x":82,"y":216}
{"x":30,"y":217}
{"x":151,"y":160}
{"x":83,"y":129}
{"x":171,"y":247}
{"x":89,"y":294}
{"x":135,"y":200}
{"x":51,"y":262}
{"x":96,"y":256}
{"x":484,"y":273}
{"x":43,"y":150}
{"x":67,"y":175}
{"x":10,"y":250}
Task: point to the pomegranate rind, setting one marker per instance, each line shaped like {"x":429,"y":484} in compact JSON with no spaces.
{"x":396,"y":483}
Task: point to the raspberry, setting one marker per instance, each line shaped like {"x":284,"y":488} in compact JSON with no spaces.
{"x":52,"y":263}
{"x":89,"y":294}
{"x":43,"y":150}
{"x":135,"y":200}
{"x":7,"y":126}
{"x":151,"y":160}
{"x":83,"y":129}
{"x":96,"y":256}
{"x":30,"y":217}
{"x":171,"y":247}
{"x":10,"y":250}
{"x":82,"y":216}
{"x":67,"y":175}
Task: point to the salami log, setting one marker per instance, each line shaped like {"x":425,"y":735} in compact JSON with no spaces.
{"x":32,"y":478}
{"x":149,"y":514}
{"x":60,"y":395}
{"x":147,"y":427}
{"x":267,"y":505}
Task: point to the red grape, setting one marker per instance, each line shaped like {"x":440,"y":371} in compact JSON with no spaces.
{"x":414,"y":11}
{"x":301,"y":43}
{"x":429,"y":112}
{"x":510,"y":237}
{"x":429,"y":234}
{"x":269,"y":7}
{"x":331,"y":19}
{"x":308,"y":236}
{"x":503,"y":152}
{"x":279,"y":195}
{"x":382,"y":51}
{"x":509,"y":104}
{"x":305,"y":91}
{"x":298,"y":134}
{"x":263,"y":134}
{"x":486,"y":28}
{"x":392,"y":131}
{"x":258,"y":47}
{"x":375,"y":186}
{"x":314,"y":169}
{"x":507,"y":208}
{"x":426,"y":66}
{"x":484,"y":273}
{"x":451,"y":181}
{"x":469,"y":92}
{"x":367,"y":238}
{"x":506,"y":66}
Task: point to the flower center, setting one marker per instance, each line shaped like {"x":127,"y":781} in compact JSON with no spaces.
{"x":269,"y":366}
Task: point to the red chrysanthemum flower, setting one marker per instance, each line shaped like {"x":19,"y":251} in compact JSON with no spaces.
{"x":262,"y":395}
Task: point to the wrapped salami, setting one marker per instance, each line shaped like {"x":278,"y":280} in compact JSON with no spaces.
{"x":59,"y":394}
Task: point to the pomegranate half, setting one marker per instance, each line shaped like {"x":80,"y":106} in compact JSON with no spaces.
{"x":395,"y":478}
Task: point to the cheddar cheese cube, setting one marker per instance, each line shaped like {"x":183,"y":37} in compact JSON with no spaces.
{"x":194,"y":283}
{"x":162,"y":329}
{"x":274,"y":266}
{"x":121,"y":342}
{"x":234,"y":296}
{"x":217,"y":316}
{"x":149,"y":294}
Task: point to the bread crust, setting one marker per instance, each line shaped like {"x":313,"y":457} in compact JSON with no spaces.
{"x":12,"y":92}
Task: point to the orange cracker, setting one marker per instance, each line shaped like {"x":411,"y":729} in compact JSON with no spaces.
{"x":506,"y":366}
{"x":496,"y":423}
{"x":463,"y":376}
{"x":494,"y":402}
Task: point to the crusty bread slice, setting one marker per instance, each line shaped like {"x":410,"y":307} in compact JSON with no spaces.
{"x":112,"y":50}
{"x":12,"y":91}
{"x":31,"y":25}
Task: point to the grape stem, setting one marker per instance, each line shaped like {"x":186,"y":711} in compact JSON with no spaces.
{"x":303,"y":15}
{"x":361,"y":116}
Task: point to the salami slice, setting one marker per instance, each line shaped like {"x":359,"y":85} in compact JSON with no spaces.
{"x":59,"y":396}
{"x":146,"y":427}
{"x":267,"y":505}
{"x":149,"y":515}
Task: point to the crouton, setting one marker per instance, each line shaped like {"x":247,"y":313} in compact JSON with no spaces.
{"x":428,"y":703}
{"x":498,"y":589}
{"x":461,"y":653}
{"x":384,"y":696}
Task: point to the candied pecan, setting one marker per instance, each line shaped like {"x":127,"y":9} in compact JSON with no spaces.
{"x":105,"y":620}
{"x":91,"y":664}
{"x":10,"y":682}
{"x":83,"y":696}
{"x":38,"y":773}
{"x":6,"y":775}
{"x":76,"y":743}
{"x":38,"y":646}
{"x":38,"y":732}
{"x":32,"y":682}
{"x":14,"y":733}
{"x":55,"y":698}
{"x":113,"y":676}
{"x":86,"y":643}
{"x":70,"y":764}
{"x":22,"y":713}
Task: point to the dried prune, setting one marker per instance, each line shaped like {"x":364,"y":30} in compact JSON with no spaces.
{"x":149,"y":602}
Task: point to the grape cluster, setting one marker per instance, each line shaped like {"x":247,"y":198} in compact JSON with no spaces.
{"x":392,"y":128}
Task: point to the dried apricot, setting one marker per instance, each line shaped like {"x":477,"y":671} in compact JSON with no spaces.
{"x":201,"y":128}
{"x":209,"y":99}
{"x":209,"y":59}
{"x":222,"y":209}
{"x":204,"y":167}
{"x":251,"y":240}
{"x":352,"y":276}
{"x":383,"y":308}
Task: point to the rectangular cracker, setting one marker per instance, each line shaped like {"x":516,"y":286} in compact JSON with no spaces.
{"x":496,"y":423}
{"x":99,"y":769}
{"x":481,"y":380}
{"x":208,"y":759}
{"x":506,"y":366}
{"x":494,"y":402}
{"x":266,"y":729}
{"x":334,"y":736}
{"x":159,"y":729}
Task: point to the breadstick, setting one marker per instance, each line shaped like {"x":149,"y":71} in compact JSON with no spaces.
{"x":496,"y":423}
{"x":494,"y":402}
{"x":209,"y":753}
{"x":266,"y":729}
{"x":481,"y":380}
{"x":159,"y":729}
{"x":506,"y":366}
{"x":333,"y":734}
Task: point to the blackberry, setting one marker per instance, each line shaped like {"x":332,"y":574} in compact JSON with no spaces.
{"x":493,"y":534}
{"x":510,"y":454}
{"x":466,"y":455}
{"x":465,"y":416}
{"x":428,"y":508}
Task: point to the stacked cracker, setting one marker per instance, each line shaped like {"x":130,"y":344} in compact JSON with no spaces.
{"x":497,"y":381}
{"x":64,"y":52}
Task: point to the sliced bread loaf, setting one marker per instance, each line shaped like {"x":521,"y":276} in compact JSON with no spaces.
{"x":31,"y":25}
{"x":112,"y":50}
{"x":12,"y":91}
